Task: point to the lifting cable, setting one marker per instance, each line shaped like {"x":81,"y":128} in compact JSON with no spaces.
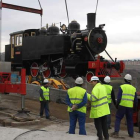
{"x":67,"y":11}
{"x":41,"y":9}
{"x":105,"y":50}
{"x":0,"y":29}
{"x":96,"y":6}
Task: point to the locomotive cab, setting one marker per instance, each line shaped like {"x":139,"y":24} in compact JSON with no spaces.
{"x":14,"y":49}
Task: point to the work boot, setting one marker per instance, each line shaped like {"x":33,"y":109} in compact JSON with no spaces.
{"x":101,"y":138}
{"x":131,"y":136}
{"x":47,"y":117}
{"x":115,"y":134}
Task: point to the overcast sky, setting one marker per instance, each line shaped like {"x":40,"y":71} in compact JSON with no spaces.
{"x":121,"y":19}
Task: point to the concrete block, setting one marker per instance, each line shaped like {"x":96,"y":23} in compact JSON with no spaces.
{"x":15,"y":124}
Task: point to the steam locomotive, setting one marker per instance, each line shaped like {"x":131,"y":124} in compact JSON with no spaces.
{"x":73,"y":52}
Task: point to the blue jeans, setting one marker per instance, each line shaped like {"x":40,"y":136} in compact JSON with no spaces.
{"x":44,"y":106}
{"x":81,"y":117}
{"x":129,"y":117}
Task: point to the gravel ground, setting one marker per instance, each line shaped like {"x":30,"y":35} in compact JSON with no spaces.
{"x":59,"y":124}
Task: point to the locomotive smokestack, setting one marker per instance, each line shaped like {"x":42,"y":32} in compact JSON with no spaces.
{"x":91,"y":18}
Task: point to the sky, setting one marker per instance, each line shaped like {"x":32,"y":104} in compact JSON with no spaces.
{"x":121,"y":19}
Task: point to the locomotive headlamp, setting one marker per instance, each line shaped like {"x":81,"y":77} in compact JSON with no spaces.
{"x":63,"y":28}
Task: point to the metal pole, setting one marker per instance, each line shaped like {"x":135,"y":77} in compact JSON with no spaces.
{"x":23,"y":88}
{"x":22,"y":102}
{"x":109,"y":56}
{"x":23,"y":81}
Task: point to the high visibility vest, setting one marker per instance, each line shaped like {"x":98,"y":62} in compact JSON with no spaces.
{"x":76,"y":95}
{"x":128,"y":95}
{"x":45,"y":93}
{"x":109,"y":90}
{"x":99,"y":102}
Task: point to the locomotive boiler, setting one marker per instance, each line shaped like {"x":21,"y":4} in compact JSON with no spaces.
{"x":73,"y":52}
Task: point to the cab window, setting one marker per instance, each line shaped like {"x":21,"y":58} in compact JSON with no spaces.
{"x":12,"y":40}
{"x":33,"y":34}
{"x":26,"y":34}
{"x":18,"y":40}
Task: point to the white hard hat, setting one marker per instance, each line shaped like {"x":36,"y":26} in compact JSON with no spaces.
{"x":94,"y":78}
{"x":79,"y":81}
{"x":107,"y":79}
{"x":46,"y":81}
{"x":128,"y":77}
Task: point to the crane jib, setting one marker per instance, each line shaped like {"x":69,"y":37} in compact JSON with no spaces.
{"x":21,"y":8}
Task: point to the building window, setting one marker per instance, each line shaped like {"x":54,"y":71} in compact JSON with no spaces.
{"x":18,"y":40}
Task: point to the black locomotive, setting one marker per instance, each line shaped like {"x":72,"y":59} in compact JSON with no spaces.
{"x":72,"y":52}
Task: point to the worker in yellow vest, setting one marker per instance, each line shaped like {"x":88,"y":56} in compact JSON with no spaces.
{"x":126,"y":98}
{"x":99,"y":108}
{"x":110,"y":97}
{"x":76,"y":100}
{"x":44,"y":99}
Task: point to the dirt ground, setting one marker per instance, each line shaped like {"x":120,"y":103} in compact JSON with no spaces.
{"x":11,"y":103}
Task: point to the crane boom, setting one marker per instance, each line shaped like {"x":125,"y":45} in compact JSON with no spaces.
{"x":21,"y":8}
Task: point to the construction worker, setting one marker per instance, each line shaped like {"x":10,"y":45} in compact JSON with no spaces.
{"x":110,"y":97}
{"x":126,"y":98}
{"x":44,"y":99}
{"x":99,"y":108}
{"x":76,"y":100}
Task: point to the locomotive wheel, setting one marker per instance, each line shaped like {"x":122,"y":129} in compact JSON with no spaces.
{"x":89,"y":75}
{"x":46,"y":71}
{"x":34,"y":69}
{"x":63,"y":73}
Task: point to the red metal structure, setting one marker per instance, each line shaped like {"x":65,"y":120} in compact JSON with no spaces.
{"x":6,"y":86}
{"x":21,"y":8}
{"x":101,"y":69}
{"x":4,"y":76}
